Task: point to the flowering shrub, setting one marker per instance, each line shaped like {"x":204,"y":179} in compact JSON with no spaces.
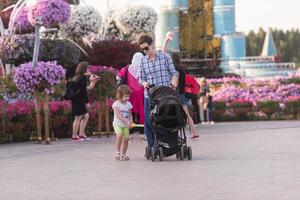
{"x":293,"y":105}
{"x":115,"y":53}
{"x":43,"y":77}
{"x":21,"y":23}
{"x":16,"y":49}
{"x":220,"y":105}
{"x":64,"y":52}
{"x":241,"y":103}
{"x":109,"y":28}
{"x":106,"y":86}
{"x":268,"y":107}
{"x":8,"y":90}
{"x":84,"y":20}
{"x":51,"y":12}
{"x":136,"y":20}
{"x":17,"y":111}
{"x":59,"y":108}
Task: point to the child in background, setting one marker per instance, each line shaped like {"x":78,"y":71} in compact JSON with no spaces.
{"x":122,"y":121}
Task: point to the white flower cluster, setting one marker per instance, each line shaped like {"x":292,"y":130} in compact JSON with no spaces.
{"x":83,"y":21}
{"x":109,"y":29}
{"x":136,"y":20}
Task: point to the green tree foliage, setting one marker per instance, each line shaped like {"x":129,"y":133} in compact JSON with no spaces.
{"x":196,"y":30}
{"x":287,"y":43}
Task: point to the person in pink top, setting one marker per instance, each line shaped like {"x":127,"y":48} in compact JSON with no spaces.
{"x":137,"y":92}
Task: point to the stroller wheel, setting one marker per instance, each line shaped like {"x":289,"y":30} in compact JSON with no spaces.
{"x":152,"y":154}
{"x":190,"y":155}
{"x":181,"y":153}
{"x":185,"y":150}
{"x":160,"y":156}
{"x":147,"y":152}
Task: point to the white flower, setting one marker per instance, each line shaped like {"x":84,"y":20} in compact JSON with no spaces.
{"x":109,"y":29}
{"x":136,"y":20}
{"x":83,"y":21}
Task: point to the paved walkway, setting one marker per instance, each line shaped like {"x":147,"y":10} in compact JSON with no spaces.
{"x":231,"y":161}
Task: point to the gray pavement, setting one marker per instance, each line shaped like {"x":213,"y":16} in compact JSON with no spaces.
{"x":231,"y":161}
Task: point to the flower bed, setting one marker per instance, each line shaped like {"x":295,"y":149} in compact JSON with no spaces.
{"x":268,"y":96}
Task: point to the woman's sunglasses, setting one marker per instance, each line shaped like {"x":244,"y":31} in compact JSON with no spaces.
{"x":145,"y":48}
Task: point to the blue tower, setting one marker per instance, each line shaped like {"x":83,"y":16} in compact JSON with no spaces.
{"x":169,"y":21}
{"x":269,"y":48}
{"x":224,"y":17}
{"x":233,"y":46}
{"x":179,"y":4}
{"x":233,"y":43}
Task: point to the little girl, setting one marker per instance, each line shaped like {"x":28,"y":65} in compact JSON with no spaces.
{"x":122,"y":121}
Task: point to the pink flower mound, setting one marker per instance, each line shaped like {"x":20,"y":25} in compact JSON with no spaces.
{"x":51,"y":12}
{"x":20,"y":108}
{"x":28,"y":79}
{"x":60,"y":107}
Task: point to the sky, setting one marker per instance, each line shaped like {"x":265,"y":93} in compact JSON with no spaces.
{"x":250,"y":14}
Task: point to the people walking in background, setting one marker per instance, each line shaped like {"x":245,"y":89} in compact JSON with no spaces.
{"x":210,"y":108}
{"x":80,"y":103}
{"x":203,"y":100}
{"x":122,"y":121}
{"x":156,"y":69}
{"x":185,"y":91}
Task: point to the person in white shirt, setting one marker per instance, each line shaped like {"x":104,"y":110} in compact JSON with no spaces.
{"x":122,"y":121}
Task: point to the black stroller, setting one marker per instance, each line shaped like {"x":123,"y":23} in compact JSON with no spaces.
{"x":167,"y":120}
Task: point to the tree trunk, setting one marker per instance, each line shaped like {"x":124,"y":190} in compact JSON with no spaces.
{"x":107,"y":122}
{"x":46,"y":111}
{"x":3,"y":119}
{"x":100,"y":119}
{"x":38,"y":115}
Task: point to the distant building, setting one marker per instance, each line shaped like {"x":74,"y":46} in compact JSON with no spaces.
{"x":233,"y":44}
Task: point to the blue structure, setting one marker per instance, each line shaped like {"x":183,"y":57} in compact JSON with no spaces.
{"x":269,"y":48}
{"x":233,"y":46}
{"x":224,"y":17}
{"x":169,"y":21}
{"x":179,"y":4}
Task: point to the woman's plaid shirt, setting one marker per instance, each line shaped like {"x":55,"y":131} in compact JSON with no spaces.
{"x":158,"y":72}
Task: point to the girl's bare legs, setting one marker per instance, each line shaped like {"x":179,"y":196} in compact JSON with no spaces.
{"x":190,"y":121}
{"x":83,"y":124}
{"x":118,"y":146}
{"x":200,"y":104}
{"x":124,"y":145}
{"x":119,"y":142}
{"x":76,"y":124}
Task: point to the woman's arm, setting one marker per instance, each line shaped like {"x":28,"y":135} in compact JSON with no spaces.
{"x":130,"y":117}
{"x":169,"y":37}
{"x":93,"y":80}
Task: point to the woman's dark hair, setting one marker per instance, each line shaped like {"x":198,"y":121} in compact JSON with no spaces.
{"x":145,"y":39}
{"x":81,"y":69}
{"x":176,"y":62}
